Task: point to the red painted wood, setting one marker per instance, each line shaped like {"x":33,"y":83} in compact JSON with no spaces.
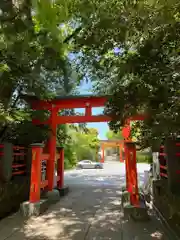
{"x":19,"y":154}
{"x":52,"y":151}
{"x":35,"y":174}
{"x":113,"y":143}
{"x":126,"y":131}
{"x":44,"y":184}
{"x":126,"y":151}
{"x":18,"y":148}
{"x":164,"y":175}
{"x":60,"y":170}
{"x":18,"y":173}
{"x":88,"y":111}
{"x":163,"y":167}
{"x":162,"y":154}
{"x":80,"y":102}
{"x":45,"y":157}
{"x":81,"y":119}
{"x":18,"y":165}
{"x":131,"y":171}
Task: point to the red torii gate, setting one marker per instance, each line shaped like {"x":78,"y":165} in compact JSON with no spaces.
{"x":112,"y":143}
{"x":87,"y":102}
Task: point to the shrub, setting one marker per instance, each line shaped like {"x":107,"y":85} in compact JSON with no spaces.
{"x":144,"y":157}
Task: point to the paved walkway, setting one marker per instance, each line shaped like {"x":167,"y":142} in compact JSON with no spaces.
{"x":90,"y":213}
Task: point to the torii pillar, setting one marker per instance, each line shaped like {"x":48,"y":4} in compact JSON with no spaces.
{"x":52,"y":149}
{"x":126,"y":134}
{"x":103,"y":153}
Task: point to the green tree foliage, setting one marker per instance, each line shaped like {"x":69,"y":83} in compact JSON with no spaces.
{"x":86,"y":144}
{"x":34,"y":44}
{"x":114,"y":136}
{"x":143,"y":75}
{"x":79,"y":144}
{"x":35,"y":41}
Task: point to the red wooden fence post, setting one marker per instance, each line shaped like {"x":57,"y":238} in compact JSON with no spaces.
{"x":131,"y":171}
{"x":60,"y":170}
{"x":35,"y":172}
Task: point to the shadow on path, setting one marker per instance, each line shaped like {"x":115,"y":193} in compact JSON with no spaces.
{"x":87,"y":213}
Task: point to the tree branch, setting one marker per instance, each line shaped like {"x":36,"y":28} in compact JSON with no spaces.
{"x":73,"y":34}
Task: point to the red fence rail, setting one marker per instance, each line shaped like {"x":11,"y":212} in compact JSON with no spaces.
{"x":19,"y":160}
{"x":163,"y":163}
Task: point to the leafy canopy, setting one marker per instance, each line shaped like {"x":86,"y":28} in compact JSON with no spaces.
{"x":131,"y":51}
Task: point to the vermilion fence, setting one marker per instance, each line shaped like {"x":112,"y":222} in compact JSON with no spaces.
{"x":15,"y":161}
{"x":19,"y":160}
{"x":19,"y":155}
{"x":39,"y":171}
{"x":163,"y":163}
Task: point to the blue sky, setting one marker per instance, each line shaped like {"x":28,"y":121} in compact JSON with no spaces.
{"x":86,"y":88}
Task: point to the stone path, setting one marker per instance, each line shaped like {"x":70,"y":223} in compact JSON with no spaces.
{"x":90,"y":213}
